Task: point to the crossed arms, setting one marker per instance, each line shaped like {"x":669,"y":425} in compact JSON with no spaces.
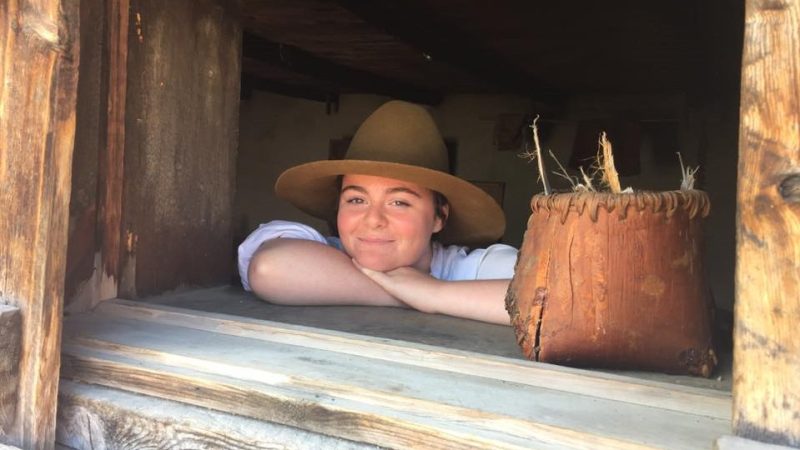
{"x":301,"y":272}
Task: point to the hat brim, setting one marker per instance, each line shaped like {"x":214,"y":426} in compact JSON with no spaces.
{"x":475,"y":217}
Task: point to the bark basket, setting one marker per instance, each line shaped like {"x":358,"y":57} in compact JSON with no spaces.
{"x":615,"y":281}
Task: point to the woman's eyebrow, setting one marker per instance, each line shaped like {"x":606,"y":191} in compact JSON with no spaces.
{"x":403,"y":189}
{"x":394,"y":190}
{"x":355,"y":188}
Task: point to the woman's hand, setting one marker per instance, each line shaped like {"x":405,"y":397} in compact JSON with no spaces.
{"x":407,"y":284}
{"x":482,"y":300}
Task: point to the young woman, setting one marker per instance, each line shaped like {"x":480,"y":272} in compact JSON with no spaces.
{"x":398,"y":213}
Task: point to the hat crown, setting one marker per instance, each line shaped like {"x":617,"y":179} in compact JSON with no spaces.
{"x":400,"y":132}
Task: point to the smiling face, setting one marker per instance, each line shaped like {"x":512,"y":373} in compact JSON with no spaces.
{"x":386,"y":223}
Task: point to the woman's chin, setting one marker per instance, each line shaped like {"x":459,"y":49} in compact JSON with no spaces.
{"x":376,"y":264}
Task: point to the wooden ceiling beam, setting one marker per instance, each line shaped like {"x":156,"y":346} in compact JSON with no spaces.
{"x":300,"y":61}
{"x":252,"y":82}
{"x":414,"y":25}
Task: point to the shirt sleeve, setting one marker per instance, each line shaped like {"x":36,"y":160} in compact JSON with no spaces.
{"x":273,"y":230}
{"x":497,"y":263}
{"x":453,"y":263}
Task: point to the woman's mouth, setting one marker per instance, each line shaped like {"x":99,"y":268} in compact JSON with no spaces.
{"x":375,"y":240}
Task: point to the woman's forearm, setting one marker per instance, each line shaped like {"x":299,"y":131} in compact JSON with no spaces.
{"x":300,"y":272}
{"x":482,"y":300}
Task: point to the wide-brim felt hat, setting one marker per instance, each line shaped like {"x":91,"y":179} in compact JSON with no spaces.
{"x":399,"y":140}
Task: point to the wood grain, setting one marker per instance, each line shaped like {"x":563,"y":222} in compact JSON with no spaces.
{"x":88,"y":141}
{"x":111,"y":161}
{"x":181,"y":129}
{"x":401,"y":400}
{"x":704,"y":402}
{"x":184,"y":364}
{"x":96,"y":206}
{"x":10,"y":334}
{"x":39,"y":44}
{"x":315,"y":411}
{"x":615,"y":281}
{"x":766,"y":387}
{"x":93,"y":417}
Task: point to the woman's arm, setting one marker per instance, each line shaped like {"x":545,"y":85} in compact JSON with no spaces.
{"x":482,"y":300}
{"x":301,"y":272}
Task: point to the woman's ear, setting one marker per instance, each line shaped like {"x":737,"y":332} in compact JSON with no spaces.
{"x":440,"y":218}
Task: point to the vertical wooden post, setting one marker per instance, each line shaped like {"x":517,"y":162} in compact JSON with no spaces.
{"x":40,"y":49}
{"x":109,"y":216}
{"x":96,"y":204}
{"x":766,"y":384}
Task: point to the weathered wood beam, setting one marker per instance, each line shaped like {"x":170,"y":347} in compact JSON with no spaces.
{"x":596,"y":384}
{"x":300,"y":61}
{"x":37,"y":131}
{"x":10,"y":331}
{"x":363,"y":397}
{"x":111,"y":158}
{"x":415,"y":25}
{"x":317,"y":411}
{"x":92,"y":271}
{"x":253,"y":82}
{"x":766,"y":385}
{"x":93,"y":417}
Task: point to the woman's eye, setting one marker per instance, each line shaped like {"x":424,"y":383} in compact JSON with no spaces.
{"x":400,"y":203}
{"x":355,"y":201}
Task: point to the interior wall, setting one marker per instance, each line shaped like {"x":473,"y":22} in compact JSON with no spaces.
{"x":720,"y":175}
{"x":278,"y":132}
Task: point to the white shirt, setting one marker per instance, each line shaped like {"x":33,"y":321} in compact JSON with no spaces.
{"x":451,"y":263}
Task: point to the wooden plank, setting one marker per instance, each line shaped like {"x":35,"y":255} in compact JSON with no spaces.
{"x":180,"y":134}
{"x":737,"y":443}
{"x":298,"y":60}
{"x":403,"y":325}
{"x":93,"y":417}
{"x":500,"y":406}
{"x":37,"y":107}
{"x":705,"y":402}
{"x":766,"y":385}
{"x":317,"y":411}
{"x":10,"y":333}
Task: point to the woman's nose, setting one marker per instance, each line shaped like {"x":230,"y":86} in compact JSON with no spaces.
{"x":376,"y":216}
